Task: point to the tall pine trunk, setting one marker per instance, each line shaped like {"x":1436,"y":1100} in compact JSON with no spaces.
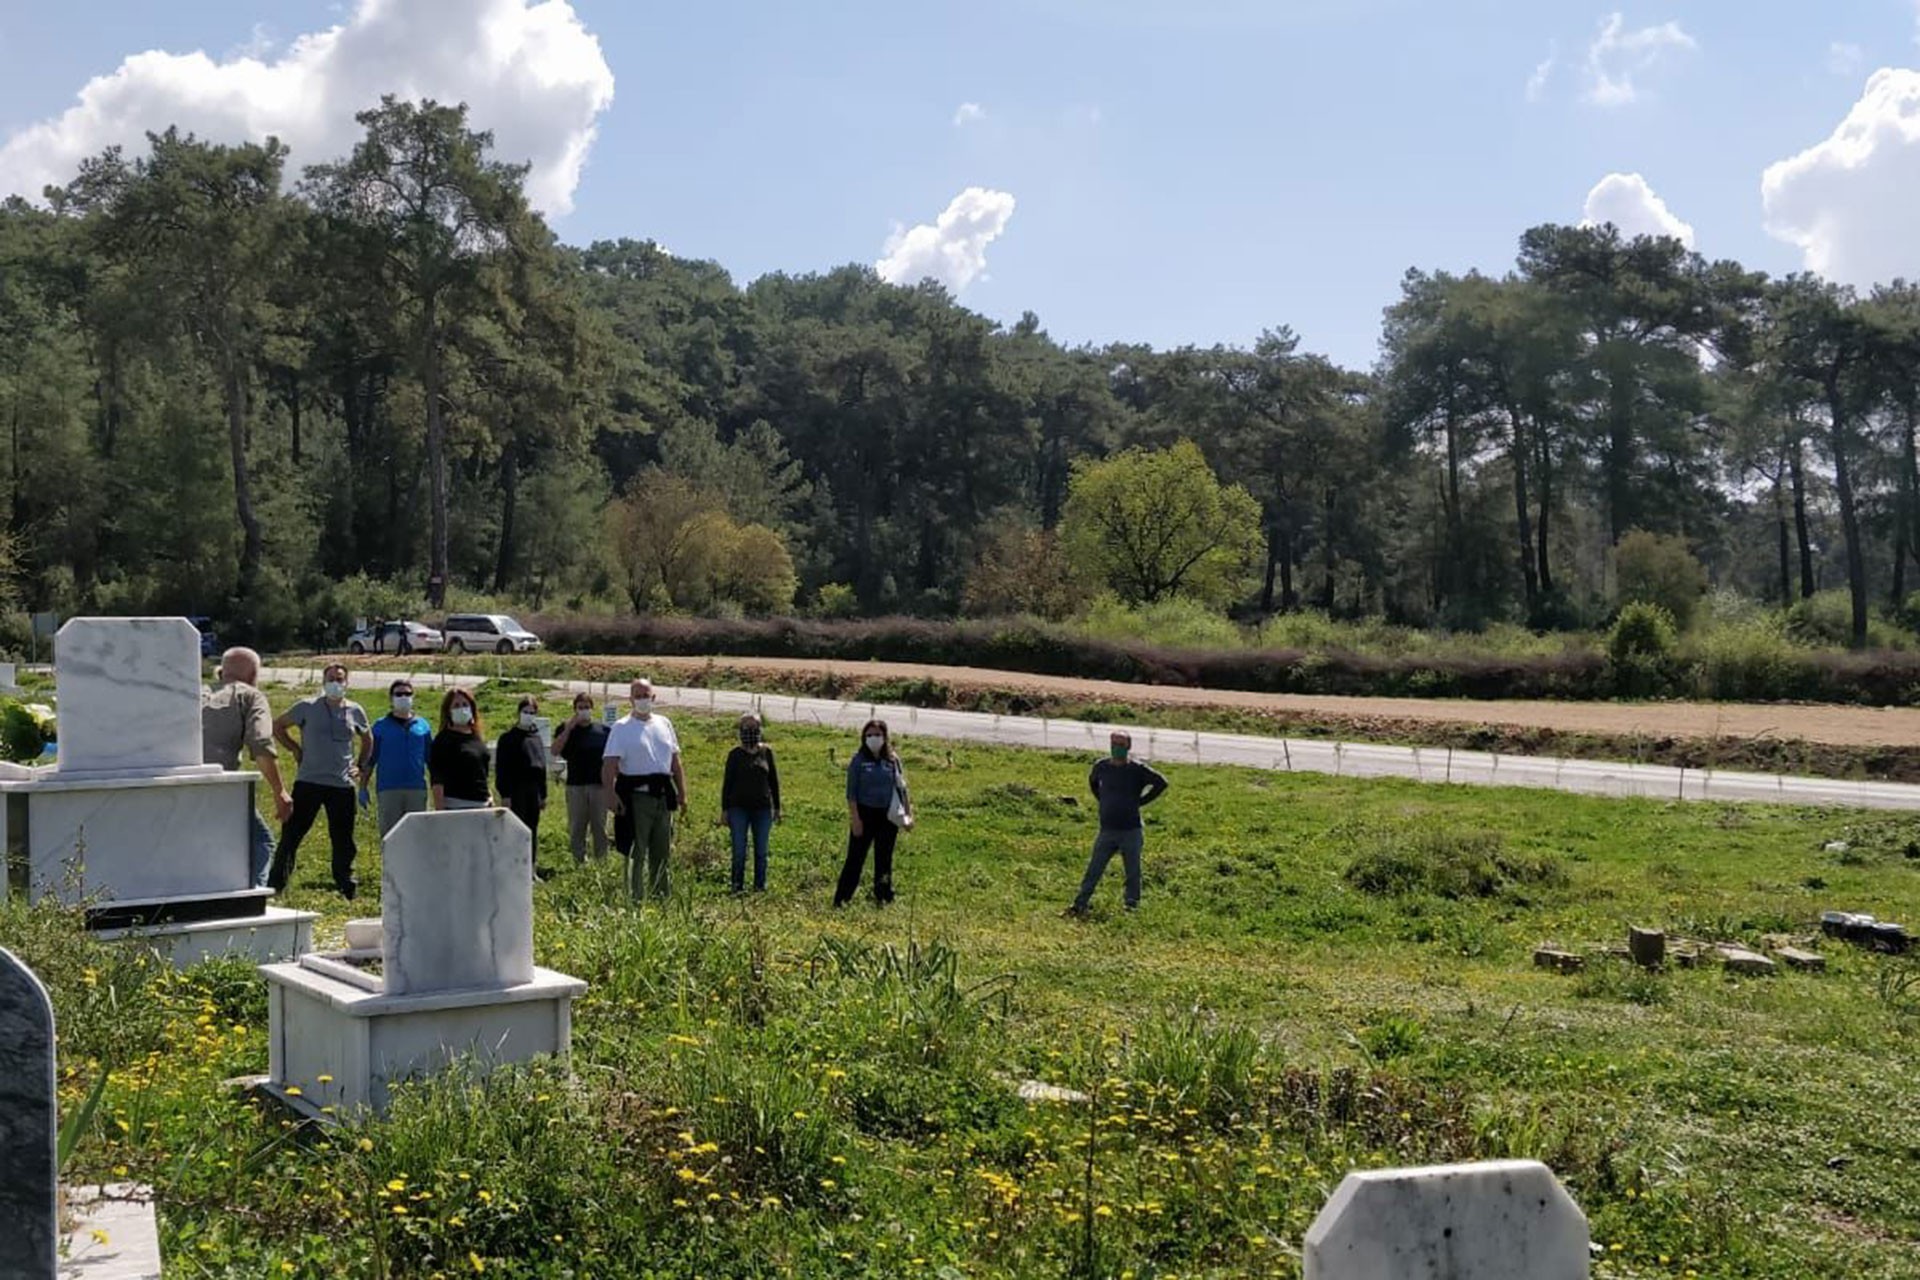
{"x":437,"y":556}
{"x":509,"y":509}
{"x":1521,"y":523}
{"x":1849,"y":514}
{"x":1796,"y":472}
{"x":252,"y":542}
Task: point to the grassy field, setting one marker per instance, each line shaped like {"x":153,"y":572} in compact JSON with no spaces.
{"x":1324,"y":975}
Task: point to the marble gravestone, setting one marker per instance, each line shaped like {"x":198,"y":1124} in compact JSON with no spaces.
{"x":29,"y":1227}
{"x":129,"y":824}
{"x":129,"y":697}
{"x":455,"y":978}
{"x":456,"y":902}
{"x":1498,"y":1220}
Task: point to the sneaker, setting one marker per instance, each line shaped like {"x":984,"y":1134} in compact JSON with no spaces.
{"x":1074,"y":913}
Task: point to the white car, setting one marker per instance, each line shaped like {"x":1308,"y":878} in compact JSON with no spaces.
{"x":405,"y":636}
{"x":487,"y":633}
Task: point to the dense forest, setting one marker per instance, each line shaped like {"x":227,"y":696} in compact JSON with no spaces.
{"x":381,"y":385}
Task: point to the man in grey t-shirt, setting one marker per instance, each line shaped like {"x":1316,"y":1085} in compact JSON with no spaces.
{"x":1122,"y":787}
{"x":332,"y":755}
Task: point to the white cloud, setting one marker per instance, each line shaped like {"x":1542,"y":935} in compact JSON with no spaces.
{"x":953,"y":248}
{"x":1537,"y":82}
{"x":1845,"y":59}
{"x":529,"y":69}
{"x":1629,"y":203}
{"x":968,"y":113}
{"x":1618,"y":55}
{"x":1848,"y":202}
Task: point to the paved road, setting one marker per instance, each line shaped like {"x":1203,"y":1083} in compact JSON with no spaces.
{"x":1343,"y":759}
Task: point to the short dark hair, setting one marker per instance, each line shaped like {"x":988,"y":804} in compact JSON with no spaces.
{"x":393,"y":690}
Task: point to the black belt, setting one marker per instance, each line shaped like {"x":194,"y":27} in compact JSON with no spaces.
{"x":654,"y":784}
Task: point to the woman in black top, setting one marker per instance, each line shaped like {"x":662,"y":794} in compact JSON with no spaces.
{"x":520,"y":771}
{"x":457,"y":762}
{"x":750,"y":802}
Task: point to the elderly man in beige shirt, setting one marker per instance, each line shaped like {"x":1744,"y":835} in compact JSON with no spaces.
{"x":234,"y":716}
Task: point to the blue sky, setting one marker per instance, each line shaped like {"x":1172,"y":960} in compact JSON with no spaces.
{"x":1179,"y":170}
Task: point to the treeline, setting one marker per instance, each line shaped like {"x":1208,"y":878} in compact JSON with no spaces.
{"x":382,"y":384}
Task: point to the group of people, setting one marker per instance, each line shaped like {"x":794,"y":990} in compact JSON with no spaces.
{"x":630,"y":770}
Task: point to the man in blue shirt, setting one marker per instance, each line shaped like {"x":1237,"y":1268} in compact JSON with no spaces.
{"x":399,"y":759}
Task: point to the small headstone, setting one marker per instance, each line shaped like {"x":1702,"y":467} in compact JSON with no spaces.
{"x":1501,"y":1220}
{"x":457,"y":902}
{"x":29,"y":1225}
{"x":1648,"y":947}
{"x":1557,"y":960}
{"x":129,"y":692}
{"x":1795,"y":958}
{"x":1741,"y":960}
{"x":1685,"y":956}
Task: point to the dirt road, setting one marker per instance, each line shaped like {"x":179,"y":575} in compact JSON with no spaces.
{"x":1831,"y":725}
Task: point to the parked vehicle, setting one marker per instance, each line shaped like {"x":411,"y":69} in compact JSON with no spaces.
{"x":404,"y":636}
{"x":209,"y":642}
{"x":487,"y":633}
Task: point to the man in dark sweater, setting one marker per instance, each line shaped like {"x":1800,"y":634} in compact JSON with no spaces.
{"x":1122,"y":787}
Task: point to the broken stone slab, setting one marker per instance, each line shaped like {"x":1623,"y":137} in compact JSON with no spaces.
{"x":1864,"y":930}
{"x":1648,"y":947}
{"x":1741,"y":960}
{"x":1795,"y":958}
{"x":1041,"y":1091}
{"x":1557,"y":960}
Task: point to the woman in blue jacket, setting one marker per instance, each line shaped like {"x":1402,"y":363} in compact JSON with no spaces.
{"x":874,"y":778}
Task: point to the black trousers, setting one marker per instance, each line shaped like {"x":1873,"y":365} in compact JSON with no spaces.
{"x":526,"y":807}
{"x":309,"y":798}
{"x":878,"y":834}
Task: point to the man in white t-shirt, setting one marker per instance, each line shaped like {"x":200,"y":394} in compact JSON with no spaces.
{"x":644,"y":784}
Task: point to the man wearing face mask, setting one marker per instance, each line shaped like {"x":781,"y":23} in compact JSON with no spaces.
{"x":333,"y":731}
{"x":1122,"y":787}
{"x":520,"y":772}
{"x":582,"y":743}
{"x":644,"y":783}
{"x":398,"y":762}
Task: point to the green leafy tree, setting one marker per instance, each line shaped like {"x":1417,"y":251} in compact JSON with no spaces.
{"x":1658,"y":569}
{"x":428,"y":214}
{"x":1157,"y":524}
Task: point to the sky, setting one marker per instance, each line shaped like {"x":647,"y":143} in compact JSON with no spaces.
{"x":1166,"y":171}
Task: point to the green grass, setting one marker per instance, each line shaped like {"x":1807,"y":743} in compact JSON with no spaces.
{"x":1325,"y":974}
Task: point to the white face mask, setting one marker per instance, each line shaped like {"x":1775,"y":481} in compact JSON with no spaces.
{"x":403,"y":703}
{"x":461,"y":715}
{"x":875,"y":742}
{"x":334,"y":688}
{"x":526,"y":719}
{"x":643,"y":706}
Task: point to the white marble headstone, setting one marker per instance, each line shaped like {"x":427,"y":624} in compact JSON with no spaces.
{"x":1500,"y":1220}
{"x":129,"y":695}
{"x":457,"y":902}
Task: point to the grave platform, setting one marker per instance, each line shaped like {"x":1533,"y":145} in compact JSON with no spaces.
{"x":275,"y":934}
{"x":364,"y":1041}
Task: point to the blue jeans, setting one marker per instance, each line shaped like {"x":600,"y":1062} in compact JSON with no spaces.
{"x":760,"y":823}
{"x":1125,"y":843}
{"x":262,"y":848}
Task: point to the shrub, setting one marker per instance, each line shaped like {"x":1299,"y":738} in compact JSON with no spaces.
{"x":1178,"y":622}
{"x":1023,"y":571}
{"x":835,"y":600}
{"x":1824,"y":618}
{"x":756,"y":571}
{"x":1447,"y":864}
{"x":1658,"y":569}
{"x":1640,"y":650}
{"x":1749,"y":661}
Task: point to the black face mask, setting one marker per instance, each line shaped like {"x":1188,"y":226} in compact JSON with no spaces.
{"x":750,"y":738}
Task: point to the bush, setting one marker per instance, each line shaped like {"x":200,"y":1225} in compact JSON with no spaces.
{"x":835,"y":600}
{"x":1658,"y":569}
{"x":1749,"y":661}
{"x":1824,"y":618}
{"x":1640,"y":651}
{"x":1178,"y":622}
{"x":1400,"y":863}
{"x":1023,"y":571}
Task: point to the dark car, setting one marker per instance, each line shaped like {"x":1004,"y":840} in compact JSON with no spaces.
{"x":209,"y":642}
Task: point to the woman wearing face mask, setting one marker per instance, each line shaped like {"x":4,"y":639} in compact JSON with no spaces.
{"x":458,"y":762}
{"x":874,"y":778}
{"x":750,"y":802}
{"x":520,"y":770}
